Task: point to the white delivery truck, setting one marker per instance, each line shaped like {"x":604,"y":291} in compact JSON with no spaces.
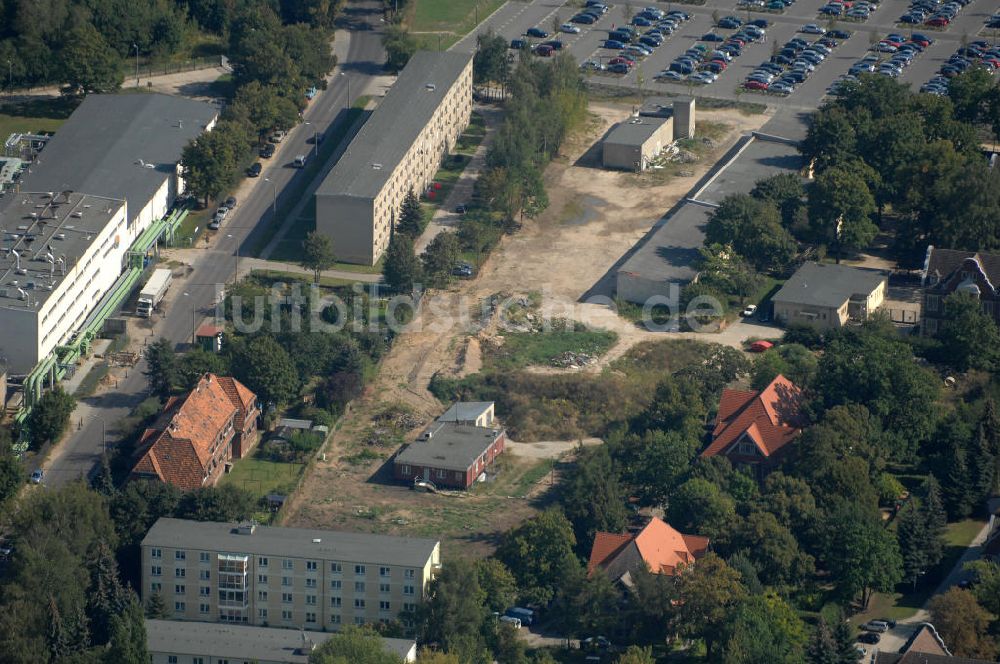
{"x":152,"y":293}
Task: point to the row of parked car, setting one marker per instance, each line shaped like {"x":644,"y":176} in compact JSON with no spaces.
{"x":979,"y":53}
{"x":702,"y":64}
{"x":934,"y":13}
{"x":793,"y":63}
{"x":856,"y":10}
{"x":631,"y":46}
{"x":773,"y":5}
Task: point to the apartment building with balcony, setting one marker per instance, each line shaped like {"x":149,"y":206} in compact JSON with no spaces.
{"x":400,"y":147}
{"x":284,"y":577}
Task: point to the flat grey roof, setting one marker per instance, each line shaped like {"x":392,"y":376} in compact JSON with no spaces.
{"x":395,"y":124}
{"x":465,"y":411}
{"x":452,"y":446}
{"x":828,"y":285}
{"x":668,"y":253}
{"x":120,"y":146}
{"x":291,"y":542}
{"x":760,"y":160}
{"x":242,"y":642}
{"x":66,"y":224}
{"x":634,"y":131}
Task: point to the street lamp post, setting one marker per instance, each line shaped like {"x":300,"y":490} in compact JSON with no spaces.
{"x":136,"y":47}
{"x":274,"y":195}
{"x":315,"y":139}
{"x":347,"y":78}
{"x":236,"y":277}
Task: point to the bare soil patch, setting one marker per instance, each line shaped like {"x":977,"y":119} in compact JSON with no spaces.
{"x":593,"y":218}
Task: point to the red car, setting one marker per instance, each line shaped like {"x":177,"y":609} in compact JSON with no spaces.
{"x":719,"y":61}
{"x":621,"y":59}
{"x":544,"y":50}
{"x":938,"y":22}
{"x":755,"y":85}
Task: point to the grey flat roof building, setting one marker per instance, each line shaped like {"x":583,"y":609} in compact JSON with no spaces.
{"x":635,"y":130}
{"x":32,"y":224}
{"x":395,"y":124}
{"x":238,"y":643}
{"x":119,"y":146}
{"x":290,"y":542}
{"x":828,"y":285}
{"x":449,"y":445}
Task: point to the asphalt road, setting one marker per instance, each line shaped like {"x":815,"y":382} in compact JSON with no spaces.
{"x":513,"y":19}
{"x":194,"y":297}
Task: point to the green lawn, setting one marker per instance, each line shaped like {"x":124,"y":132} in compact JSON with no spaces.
{"x":521,"y":349}
{"x":898,"y":606}
{"x":34,"y":117}
{"x":261,"y":477}
{"x":452,"y":20}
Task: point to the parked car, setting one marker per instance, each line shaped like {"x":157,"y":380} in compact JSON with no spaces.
{"x":870,"y":637}
{"x":879,"y":626}
{"x":536,"y":32}
{"x":712,"y":37}
{"x":465,"y":270}
{"x":620,"y":68}
{"x":267,"y":151}
{"x":254,"y":170}
{"x":812,"y":29}
{"x":511,"y":621}
{"x":278,"y":136}
{"x":569,"y":28}
{"x":518,"y":44}
{"x":37,"y":476}
{"x":526,"y":616}
{"x":584,"y":19}
{"x":311,"y":92}
{"x":614,"y":45}
{"x":544,"y":50}
{"x":230,"y":202}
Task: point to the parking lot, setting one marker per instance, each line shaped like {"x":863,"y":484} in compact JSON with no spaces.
{"x":513,"y":19}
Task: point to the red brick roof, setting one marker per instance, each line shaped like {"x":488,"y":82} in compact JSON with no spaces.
{"x":771,"y":418}
{"x":181,"y":449}
{"x":659,"y":546}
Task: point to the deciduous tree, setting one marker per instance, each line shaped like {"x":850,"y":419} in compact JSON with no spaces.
{"x":539,"y":553}
{"x":317,"y":254}
{"x":50,"y":416}
{"x":963,"y":624}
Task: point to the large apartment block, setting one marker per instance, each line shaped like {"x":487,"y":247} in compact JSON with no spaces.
{"x":284,"y":577}
{"x":400,"y":147}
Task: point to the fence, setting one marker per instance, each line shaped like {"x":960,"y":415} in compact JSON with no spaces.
{"x":146,"y":70}
{"x":904,"y":316}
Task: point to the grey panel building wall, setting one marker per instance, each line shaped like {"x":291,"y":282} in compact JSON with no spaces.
{"x":349,"y":221}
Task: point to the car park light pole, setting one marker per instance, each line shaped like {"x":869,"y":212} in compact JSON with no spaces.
{"x":274,"y":195}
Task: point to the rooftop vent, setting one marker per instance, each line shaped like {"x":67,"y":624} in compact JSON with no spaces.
{"x":246,"y":528}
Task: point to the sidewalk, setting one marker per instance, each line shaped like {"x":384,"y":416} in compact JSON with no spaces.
{"x":249,"y":264}
{"x":445,"y":217}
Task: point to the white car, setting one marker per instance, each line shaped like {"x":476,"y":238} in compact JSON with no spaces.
{"x":511,"y":620}
{"x":812,"y":29}
{"x":569,"y":28}
{"x":750,"y":310}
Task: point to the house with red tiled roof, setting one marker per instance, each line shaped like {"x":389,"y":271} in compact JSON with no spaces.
{"x":754,"y":428}
{"x":925,"y":646}
{"x":199,"y":435}
{"x":658,"y":547}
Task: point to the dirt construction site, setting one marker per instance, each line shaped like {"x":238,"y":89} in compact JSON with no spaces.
{"x":594,"y":217}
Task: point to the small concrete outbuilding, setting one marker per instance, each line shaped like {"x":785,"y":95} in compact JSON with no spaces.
{"x":637,"y":141}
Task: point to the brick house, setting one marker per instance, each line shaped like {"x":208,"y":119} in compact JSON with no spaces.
{"x":197,"y":436}
{"x":754,"y":428}
{"x":453,"y":453}
{"x":658,"y":546}
{"x":948,"y":271}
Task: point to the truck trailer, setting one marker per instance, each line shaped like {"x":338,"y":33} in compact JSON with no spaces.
{"x":152,"y":293}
